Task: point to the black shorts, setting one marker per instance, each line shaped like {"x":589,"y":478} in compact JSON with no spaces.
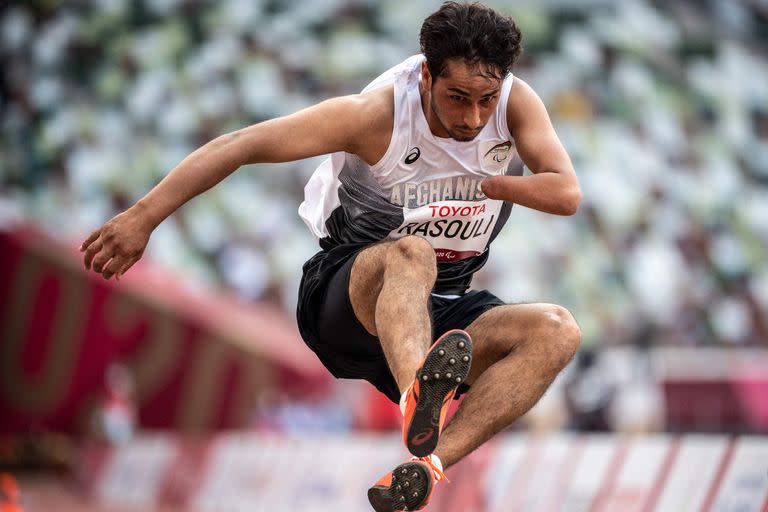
{"x":330,"y":328}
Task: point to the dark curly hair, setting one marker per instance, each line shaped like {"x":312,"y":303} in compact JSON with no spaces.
{"x":472,"y":32}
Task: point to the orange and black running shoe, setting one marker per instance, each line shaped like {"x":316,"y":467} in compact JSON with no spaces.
{"x":445,"y":367}
{"x":408,"y":487}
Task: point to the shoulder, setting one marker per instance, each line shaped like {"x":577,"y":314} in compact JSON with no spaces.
{"x":378,"y":106}
{"x":374,"y":120}
{"x":364,"y":109}
{"x":523,"y":103}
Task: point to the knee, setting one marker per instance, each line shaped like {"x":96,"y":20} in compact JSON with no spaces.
{"x":415,"y":252}
{"x":562,"y":333}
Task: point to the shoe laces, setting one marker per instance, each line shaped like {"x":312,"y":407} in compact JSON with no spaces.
{"x":436,"y":472}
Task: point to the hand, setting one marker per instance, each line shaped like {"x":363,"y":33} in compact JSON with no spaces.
{"x":113,"y":248}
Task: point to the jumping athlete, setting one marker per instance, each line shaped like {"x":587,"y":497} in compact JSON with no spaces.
{"x":425,"y":166}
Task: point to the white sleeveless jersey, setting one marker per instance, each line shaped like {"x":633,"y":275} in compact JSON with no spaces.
{"x":423,"y":185}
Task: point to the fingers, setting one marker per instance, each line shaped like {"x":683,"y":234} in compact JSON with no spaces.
{"x":122,"y":269}
{"x":110,"y":268}
{"x":118,"y":266}
{"x":92,"y":250}
{"x":113,"y":248}
{"x":100,"y":260}
{"x":91,"y":238}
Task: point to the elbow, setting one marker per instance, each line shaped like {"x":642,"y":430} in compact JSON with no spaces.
{"x":231,"y":147}
{"x":232,"y":140}
{"x":225,"y":140}
{"x":571,"y":200}
{"x":222,"y":143}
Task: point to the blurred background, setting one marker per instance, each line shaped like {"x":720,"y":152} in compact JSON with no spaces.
{"x":183,"y":386}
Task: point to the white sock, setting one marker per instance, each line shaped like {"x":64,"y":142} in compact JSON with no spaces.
{"x":433,"y":458}
{"x":437,"y":462}
{"x":403,"y":399}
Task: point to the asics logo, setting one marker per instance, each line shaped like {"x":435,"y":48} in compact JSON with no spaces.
{"x":422,"y":437}
{"x":413,"y":155}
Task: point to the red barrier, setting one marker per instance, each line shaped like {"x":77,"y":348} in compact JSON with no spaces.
{"x":198,"y":361}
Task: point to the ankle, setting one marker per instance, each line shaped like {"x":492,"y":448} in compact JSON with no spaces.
{"x":436,"y":461}
{"x":436,"y":466}
{"x":404,"y":398}
{"x":405,"y":378}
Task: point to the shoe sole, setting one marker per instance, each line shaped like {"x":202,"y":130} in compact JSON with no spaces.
{"x":409,"y":488}
{"x":450,"y":359}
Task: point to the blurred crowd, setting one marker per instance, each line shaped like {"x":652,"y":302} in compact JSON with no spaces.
{"x":663,"y":107}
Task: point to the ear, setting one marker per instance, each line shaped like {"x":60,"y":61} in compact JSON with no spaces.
{"x":426,"y":78}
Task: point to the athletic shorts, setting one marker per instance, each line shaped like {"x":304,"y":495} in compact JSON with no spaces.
{"x":330,"y":328}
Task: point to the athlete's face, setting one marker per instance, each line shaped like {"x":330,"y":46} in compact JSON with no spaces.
{"x":461,"y":100}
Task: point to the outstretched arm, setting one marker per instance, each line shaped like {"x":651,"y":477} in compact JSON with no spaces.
{"x":553,"y":187}
{"x":330,"y":126}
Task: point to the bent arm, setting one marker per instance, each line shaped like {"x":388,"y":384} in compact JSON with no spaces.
{"x":330,"y":126}
{"x":324,"y":128}
{"x":553,"y":186}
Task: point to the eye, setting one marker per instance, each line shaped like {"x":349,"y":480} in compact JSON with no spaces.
{"x":457,"y":98}
{"x":487,"y":100}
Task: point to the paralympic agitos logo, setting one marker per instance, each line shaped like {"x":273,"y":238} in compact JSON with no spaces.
{"x":499,"y":152}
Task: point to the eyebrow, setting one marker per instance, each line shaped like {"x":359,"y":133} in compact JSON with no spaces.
{"x":465,"y":93}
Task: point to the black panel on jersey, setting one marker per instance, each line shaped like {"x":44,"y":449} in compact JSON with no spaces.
{"x":365,"y":215}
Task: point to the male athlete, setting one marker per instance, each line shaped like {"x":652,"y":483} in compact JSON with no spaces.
{"x":425,"y":165}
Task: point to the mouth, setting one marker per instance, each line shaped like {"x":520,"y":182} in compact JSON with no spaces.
{"x":465,"y":134}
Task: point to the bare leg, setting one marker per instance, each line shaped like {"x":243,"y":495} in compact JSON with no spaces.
{"x":518,"y":352}
{"x":389,"y":289}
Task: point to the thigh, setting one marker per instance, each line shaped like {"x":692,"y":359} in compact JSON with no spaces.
{"x":410,"y":259}
{"x":365,"y":282}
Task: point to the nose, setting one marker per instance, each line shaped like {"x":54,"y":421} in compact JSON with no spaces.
{"x":472,"y":117}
